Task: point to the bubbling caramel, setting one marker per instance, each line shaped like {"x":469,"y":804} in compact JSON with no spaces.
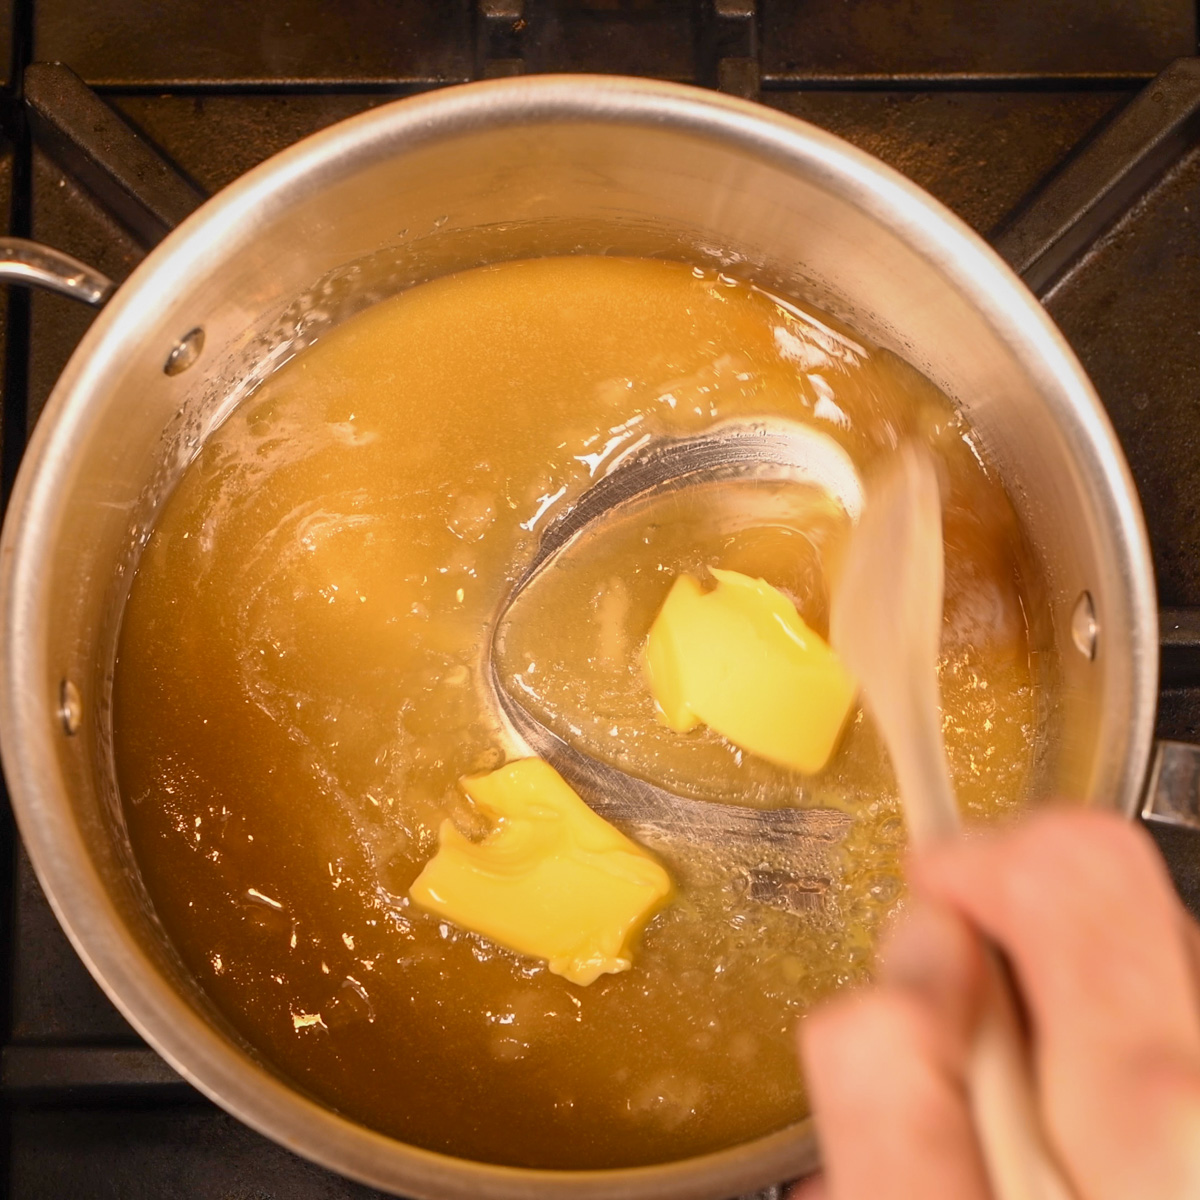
{"x":299,"y":689}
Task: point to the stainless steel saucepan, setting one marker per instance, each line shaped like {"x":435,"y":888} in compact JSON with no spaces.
{"x":445,"y":181}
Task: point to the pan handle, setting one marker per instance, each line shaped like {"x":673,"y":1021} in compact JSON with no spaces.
{"x":1171,"y":813}
{"x":34,"y":265}
{"x":1173,"y":789}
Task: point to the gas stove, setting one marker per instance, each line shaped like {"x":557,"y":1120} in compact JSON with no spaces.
{"x":1069,"y":135}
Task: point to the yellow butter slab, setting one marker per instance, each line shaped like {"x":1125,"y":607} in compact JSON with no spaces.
{"x":552,"y":879}
{"x":741,"y":660}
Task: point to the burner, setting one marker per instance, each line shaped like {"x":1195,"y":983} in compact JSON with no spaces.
{"x":1067,"y":136}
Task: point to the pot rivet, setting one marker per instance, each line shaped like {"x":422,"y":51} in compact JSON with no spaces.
{"x":70,"y":707}
{"x":186,"y":351}
{"x":1084,"y":628}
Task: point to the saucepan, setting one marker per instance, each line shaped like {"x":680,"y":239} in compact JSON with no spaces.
{"x":453,"y":179}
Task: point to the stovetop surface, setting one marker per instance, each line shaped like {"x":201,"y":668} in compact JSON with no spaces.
{"x":980,"y":104}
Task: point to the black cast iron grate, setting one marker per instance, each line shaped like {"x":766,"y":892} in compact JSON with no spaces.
{"x":995,"y":109}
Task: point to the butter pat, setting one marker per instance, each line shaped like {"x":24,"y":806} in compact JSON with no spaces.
{"x":741,"y":660}
{"x":552,"y":879}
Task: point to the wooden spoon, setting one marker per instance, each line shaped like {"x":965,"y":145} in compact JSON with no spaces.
{"x":886,"y":624}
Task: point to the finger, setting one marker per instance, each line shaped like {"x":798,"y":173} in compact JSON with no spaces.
{"x":885,"y":1070}
{"x":812,"y":1188}
{"x":1191,"y":937}
{"x":1090,"y":884}
{"x":1082,"y":906}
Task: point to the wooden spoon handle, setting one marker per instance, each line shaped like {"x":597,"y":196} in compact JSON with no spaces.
{"x":1003,"y":1100}
{"x":886,"y":623}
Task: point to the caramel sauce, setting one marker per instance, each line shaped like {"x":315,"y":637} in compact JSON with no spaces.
{"x":299,"y":688}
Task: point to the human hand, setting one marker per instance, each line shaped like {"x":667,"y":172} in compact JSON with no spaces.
{"x":1108,"y":964}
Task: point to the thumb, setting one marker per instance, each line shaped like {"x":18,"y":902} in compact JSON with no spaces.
{"x":886,"y":1068}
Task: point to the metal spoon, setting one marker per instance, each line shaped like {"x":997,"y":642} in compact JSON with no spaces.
{"x":727,"y":451}
{"x":886,"y":624}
